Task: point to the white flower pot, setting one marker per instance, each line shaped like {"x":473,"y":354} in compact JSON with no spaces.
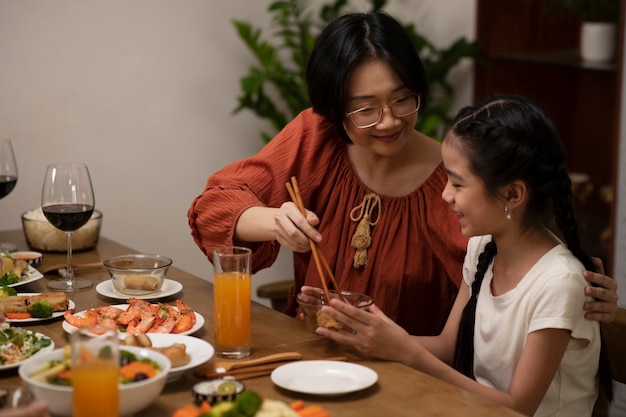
{"x":598,"y":41}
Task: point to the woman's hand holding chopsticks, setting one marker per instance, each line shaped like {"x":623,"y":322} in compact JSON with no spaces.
{"x":294,"y":229}
{"x":285,"y":224}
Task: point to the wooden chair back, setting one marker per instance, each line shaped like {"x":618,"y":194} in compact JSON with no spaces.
{"x":614,"y":334}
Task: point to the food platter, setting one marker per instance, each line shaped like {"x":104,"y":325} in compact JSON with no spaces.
{"x":55,"y":314}
{"x":34,"y":275}
{"x":198,"y":350}
{"x":321,"y":377}
{"x":170,"y":287}
{"x":42,"y":350}
{"x":197,"y":326}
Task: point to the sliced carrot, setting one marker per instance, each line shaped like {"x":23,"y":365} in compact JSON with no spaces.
{"x":313,"y":411}
{"x":205,"y":407}
{"x":67,"y":374}
{"x":132,"y":369}
{"x":310,"y":411}
{"x":18,"y":316}
{"x":189,"y":410}
{"x":297,"y":405}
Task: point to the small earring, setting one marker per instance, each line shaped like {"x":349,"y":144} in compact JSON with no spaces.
{"x":508,"y":213}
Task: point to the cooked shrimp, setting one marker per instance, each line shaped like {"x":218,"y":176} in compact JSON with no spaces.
{"x":164,"y":311}
{"x":186,"y":317}
{"x":163,"y":325}
{"x":145,"y":307}
{"x":107,"y":316}
{"x":89,"y":319}
{"x":140,"y":326}
{"x":131,"y":313}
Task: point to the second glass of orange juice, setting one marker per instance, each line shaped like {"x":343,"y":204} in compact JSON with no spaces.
{"x":95,"y":373}
{"x":232,"y":283}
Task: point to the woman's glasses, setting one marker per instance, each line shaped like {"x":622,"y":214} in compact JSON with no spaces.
{"x":370,"y":116}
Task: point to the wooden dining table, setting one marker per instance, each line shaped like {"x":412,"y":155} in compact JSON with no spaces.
{"x":398,"y":391}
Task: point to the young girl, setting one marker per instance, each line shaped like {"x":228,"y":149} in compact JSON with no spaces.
{"x":515,"y":334}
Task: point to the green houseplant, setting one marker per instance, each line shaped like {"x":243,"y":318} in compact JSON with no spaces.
{"x":275,"y":89}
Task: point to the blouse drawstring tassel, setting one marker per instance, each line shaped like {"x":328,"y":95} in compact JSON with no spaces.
{"x":362,"y":238}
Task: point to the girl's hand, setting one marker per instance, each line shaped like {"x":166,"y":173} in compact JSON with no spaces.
{"x":604,"y":307}
{"x":293,"y":230}
{"x":374,"y":334}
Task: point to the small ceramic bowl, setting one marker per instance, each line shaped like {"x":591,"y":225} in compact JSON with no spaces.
{"x":138,"y":274}
{"x":31,"y":257}
{"x":312,"y":301}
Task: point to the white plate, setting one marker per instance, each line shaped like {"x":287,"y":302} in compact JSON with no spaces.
{"x":46,"y":349}
{"x":199,"y":322}
{"x":198,"y":350}
{"x":34,"y":276}
{"x":323,"y":377}
{"x":170,"y":287}
{"x":55,"y":314}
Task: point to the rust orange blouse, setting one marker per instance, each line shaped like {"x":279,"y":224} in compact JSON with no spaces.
{"x":416,"y":254}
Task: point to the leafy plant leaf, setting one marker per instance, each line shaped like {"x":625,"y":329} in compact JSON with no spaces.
{"x":276,"y":88}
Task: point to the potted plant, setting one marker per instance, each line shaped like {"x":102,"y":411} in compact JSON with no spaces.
{"x":598,"y":33}
{"x":275,"y":89}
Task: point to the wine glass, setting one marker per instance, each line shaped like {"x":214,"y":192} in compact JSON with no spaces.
{"x":8,"y":179}
{"x":67,"y":201}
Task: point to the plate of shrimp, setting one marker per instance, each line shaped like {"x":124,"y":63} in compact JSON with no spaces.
{"x":137,"y":316}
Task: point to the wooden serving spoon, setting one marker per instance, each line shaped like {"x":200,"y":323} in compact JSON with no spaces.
{"x":222,"y":367}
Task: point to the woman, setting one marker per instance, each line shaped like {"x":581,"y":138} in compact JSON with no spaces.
{"x":370,"y":181}
{"x":516,"y":334}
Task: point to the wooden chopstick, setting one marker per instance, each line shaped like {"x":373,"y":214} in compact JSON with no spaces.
{"x":318,"y":256}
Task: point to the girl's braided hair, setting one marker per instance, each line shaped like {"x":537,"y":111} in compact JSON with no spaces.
{"x":508,"y":138}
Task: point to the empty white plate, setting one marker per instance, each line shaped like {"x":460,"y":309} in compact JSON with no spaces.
{"x":323,"y":377}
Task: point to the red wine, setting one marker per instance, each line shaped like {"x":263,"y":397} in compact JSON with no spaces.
{"x":7,"y":183}
{"x":68,"y":217}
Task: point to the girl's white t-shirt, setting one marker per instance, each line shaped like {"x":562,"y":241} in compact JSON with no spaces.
{"x":551,"y":295}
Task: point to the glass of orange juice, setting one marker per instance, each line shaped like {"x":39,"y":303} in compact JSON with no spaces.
{"x":95,"y":373}
{"x":232,"y":282}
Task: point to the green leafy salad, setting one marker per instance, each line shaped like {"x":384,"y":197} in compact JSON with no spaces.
{"x":17,"y":344}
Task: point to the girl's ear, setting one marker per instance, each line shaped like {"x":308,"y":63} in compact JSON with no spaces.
{"x":515,"y":194}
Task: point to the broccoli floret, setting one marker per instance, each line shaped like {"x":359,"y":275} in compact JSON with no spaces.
{"x":9,"y":278}
{"x":248,"y":403}
{"x":6,"y":291}
{"x":40,"y":309}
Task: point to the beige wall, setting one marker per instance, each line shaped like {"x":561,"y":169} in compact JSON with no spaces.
{"x":142,"y":91}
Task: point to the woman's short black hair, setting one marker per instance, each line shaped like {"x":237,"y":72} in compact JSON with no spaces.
{"x":348,"y":42}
